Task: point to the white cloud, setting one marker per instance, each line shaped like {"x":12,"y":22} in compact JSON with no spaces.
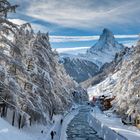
{"x":126,"y":36}
{"x":72,"y":38}
{"x":85,"y":13}
{"x":74,"y":50}
{"x":130,"y":43}
{"x":58,"y":39}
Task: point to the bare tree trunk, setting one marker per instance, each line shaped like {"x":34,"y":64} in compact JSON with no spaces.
{"x":3,"y":111}
{"x":19,"y":122}
{"x":13,"y":119}
{"x":30,"y":119}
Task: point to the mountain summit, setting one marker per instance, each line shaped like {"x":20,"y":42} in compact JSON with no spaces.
{"x":106,"y":43}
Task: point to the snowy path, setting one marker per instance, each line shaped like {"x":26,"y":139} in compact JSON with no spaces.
{"x":79,"y":128}
{"x":56,"y":128}
{"x":66,"y":121}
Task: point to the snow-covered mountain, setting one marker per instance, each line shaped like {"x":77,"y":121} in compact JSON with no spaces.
{"x":84,"y":66}
{"x":124,"y":84}
{"x":105,"y":49}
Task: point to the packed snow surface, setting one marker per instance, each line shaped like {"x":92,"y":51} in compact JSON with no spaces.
{"x":112,"y":121}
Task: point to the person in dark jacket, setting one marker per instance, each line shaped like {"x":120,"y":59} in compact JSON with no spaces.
{"x":52,"y":134}
{"x":61,"y":121}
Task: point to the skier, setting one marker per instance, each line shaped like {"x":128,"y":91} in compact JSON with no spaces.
{"x":52,"y":135}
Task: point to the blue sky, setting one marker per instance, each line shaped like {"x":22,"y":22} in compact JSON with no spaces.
{"x":82,"y":18}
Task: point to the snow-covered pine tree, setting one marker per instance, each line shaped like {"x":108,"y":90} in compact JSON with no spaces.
{"x":33,"y":85}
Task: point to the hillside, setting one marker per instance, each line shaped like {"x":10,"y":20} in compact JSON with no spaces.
{"x":123,"y":83}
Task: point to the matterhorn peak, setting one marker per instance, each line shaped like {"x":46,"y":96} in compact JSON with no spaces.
{"x":107,"y":32}
{"x":106,"y":35}
{"x":106,"y":43}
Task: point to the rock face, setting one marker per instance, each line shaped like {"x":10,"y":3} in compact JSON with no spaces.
{"x":80,"y":69}
{"x":85,"y":66}
{"x":32,"y":82}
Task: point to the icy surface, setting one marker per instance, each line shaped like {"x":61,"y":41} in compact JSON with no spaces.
{"x":79,"y":128}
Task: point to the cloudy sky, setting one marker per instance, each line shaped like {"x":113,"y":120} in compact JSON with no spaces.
{"x":79,"y":22}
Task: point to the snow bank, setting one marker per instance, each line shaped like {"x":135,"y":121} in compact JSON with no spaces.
{"x":103,"y":131}
{"x":110,"y":126}
{"x":7,"y":132}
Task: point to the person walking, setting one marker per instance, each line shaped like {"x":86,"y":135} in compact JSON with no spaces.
{"x":52,"y":134}
{"x":61,"y":121}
